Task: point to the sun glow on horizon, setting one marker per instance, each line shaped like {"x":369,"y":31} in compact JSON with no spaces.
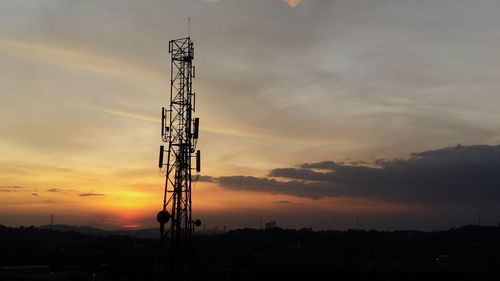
{"x":279,"y":85}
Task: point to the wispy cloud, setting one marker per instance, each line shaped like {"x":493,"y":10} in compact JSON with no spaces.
{"x":292,"y":3}
{"x":91,"y":194}
{"x":123,"y":113}
{"x":75,"y":58}
{"x":16,"y":188}
{"x":61,"y":190}
{"x":11,"y":188}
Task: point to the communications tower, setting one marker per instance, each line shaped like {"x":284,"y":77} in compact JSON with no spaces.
{"x":180,"y":133}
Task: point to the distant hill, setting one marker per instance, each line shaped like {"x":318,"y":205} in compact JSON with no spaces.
{"x":87,"y":230}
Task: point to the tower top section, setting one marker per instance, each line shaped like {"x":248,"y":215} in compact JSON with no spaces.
{"x":181,"y":49}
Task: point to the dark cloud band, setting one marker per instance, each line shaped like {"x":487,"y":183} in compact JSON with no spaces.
{"x":460,"y":175}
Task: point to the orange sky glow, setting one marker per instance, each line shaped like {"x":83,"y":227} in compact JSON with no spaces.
{"x":280,"y":85}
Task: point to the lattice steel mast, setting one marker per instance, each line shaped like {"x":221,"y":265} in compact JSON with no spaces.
{"x":181,"y":136}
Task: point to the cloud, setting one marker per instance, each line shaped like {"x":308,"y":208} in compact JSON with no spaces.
{"x":123,"y":113}
{"x":11,"y":188}
{"x":91,"y":194}
{"x":292,"y":3}
{"x":205,"y":179}
{"x":61,"y":190}
{"x":295,"y":188}
{"x":73,"y":58}
{"x":452,"y":176}
{"x":16,"y":188}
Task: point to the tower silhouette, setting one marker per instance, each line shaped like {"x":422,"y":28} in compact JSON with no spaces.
{"x":180,"y":131}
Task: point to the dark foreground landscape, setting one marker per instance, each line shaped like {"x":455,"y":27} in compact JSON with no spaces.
{"x":467,"y":253}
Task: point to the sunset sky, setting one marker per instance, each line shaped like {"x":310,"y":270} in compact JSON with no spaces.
{"x":313,"y":113}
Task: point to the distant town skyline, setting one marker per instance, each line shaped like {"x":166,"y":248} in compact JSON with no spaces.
{"x":313,"y":113}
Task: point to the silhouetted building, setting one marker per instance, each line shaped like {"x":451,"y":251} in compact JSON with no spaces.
{"x":271,"y":225}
